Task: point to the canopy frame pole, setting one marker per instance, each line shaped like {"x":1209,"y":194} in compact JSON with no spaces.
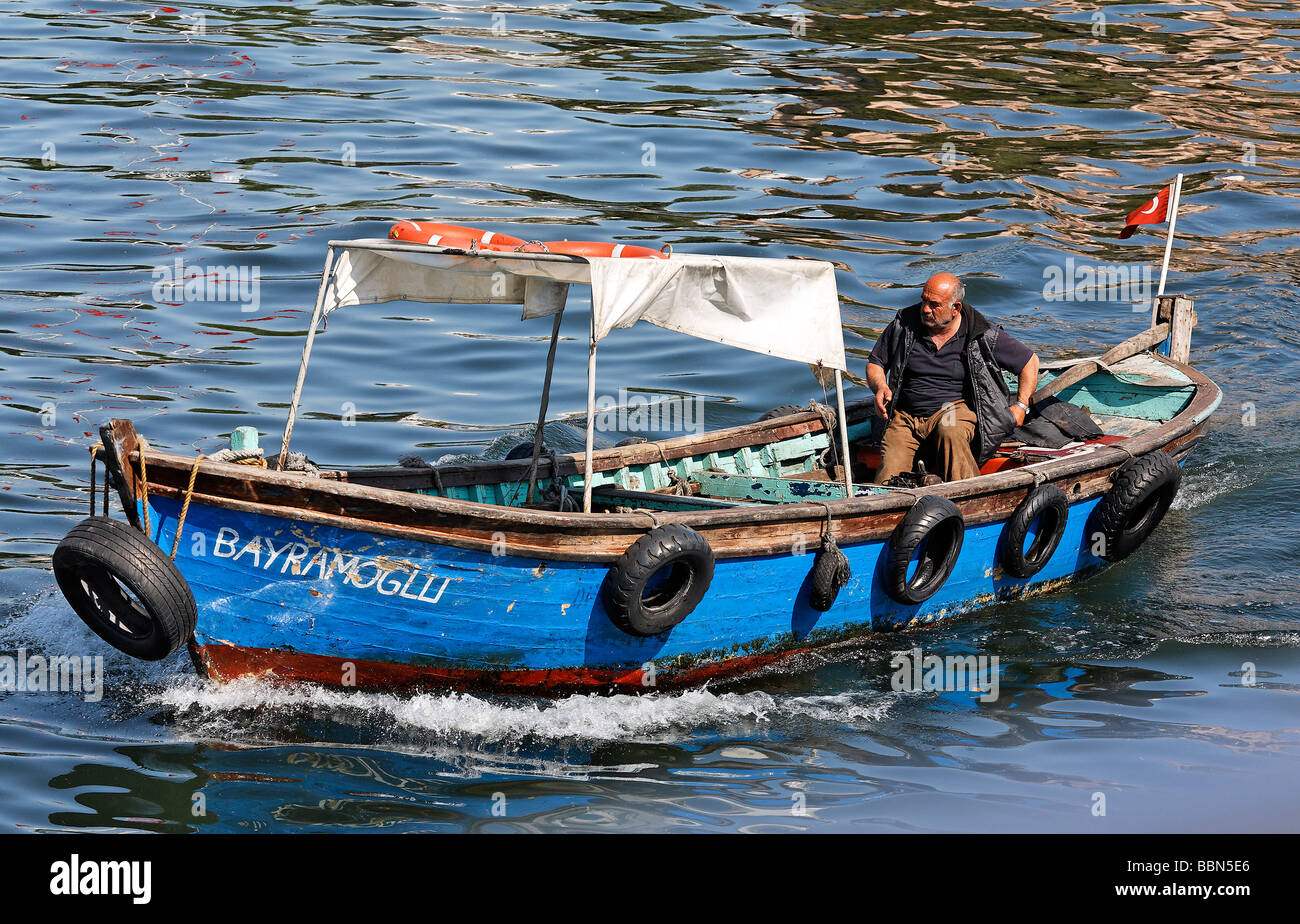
{"x":1169,"y":246}
{"x":591,"y":418}
{"x":844,"y":433}
{"x":327,"y":276}
{"x":541,"y":413}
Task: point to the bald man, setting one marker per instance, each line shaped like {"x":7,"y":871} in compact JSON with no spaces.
{"x":937,"y":374}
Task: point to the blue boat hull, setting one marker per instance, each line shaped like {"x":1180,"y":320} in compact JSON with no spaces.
{"x":303,"y":601}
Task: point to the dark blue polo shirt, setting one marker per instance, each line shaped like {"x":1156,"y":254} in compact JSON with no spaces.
{"x":935,"y":377}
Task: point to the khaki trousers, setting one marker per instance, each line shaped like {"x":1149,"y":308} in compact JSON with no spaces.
{"x":946,"y":434}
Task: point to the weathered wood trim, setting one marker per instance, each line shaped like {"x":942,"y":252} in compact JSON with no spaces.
{"x":120,"y":441}
{"x":732,"y":533}
{"x":736,"y":532}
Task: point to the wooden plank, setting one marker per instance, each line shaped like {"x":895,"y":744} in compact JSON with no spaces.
{"x":766,"y":490}
{"x":1075,"y":374}
{"x":1180,"y":329}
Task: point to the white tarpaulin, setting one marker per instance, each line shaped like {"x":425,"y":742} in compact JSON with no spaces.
{"x":785,"y":308}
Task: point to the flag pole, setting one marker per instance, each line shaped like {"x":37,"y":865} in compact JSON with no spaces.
{"x":1169,"y":244}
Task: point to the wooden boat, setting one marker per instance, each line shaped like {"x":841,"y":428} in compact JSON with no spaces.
{"x":695,"y":558}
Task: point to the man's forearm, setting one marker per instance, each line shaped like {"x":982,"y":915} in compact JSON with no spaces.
{"x":876,"y":377}
{"x":1028,"y":382}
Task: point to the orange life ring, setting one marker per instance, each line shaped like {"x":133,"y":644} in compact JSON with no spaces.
{"x":603,"y":249}
{"x":457,"y":236}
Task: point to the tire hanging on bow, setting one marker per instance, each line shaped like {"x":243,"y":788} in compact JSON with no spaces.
{"x":830,"y":573}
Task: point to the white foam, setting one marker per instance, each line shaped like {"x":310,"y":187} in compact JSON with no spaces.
{"x":587,"y":718}
{"x":1202,"y":487}
{"x":45,"y":622}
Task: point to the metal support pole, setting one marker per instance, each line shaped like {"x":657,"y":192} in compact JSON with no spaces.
{"x":326,"y":278}
{"x":541,"y":413}
{"x":844,"y":433}
{"x":591,"y":418}
{"x":1169,"y":244}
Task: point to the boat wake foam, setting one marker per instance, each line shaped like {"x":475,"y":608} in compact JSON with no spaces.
{"x":1202,"y":487}
{"x":200,"y":706}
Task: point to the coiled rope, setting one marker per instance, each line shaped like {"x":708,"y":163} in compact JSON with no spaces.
{"x":185,"y":504}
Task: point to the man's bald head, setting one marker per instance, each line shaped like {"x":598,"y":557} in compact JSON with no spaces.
{"x":946,"y":285}
{"x":942,"y":300}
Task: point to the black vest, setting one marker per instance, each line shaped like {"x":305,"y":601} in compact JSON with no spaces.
{"x":986,"y":390}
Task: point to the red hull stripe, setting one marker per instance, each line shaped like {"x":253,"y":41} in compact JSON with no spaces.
{"x":229,"y":662}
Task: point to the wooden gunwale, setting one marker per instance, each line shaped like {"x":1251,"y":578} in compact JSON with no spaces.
{"x":601,"y":537}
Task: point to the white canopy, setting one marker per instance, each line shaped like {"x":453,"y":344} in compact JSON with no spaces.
{"x":785,"y":308}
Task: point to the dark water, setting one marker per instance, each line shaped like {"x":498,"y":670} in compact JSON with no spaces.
{"x":992,"y":139}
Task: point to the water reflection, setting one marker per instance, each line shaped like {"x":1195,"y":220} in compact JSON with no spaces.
{"x":991,"y":139}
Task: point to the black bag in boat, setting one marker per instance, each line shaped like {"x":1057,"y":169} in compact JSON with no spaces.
{"x":1054,"y":423}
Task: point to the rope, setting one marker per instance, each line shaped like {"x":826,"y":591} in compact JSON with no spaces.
{"x":185,"y":506}
{"x":679,"y":484}
{"x":828,"y":421}
{"x":144,"y":482}
{"x":842,"y":572}
{"x":830,"y":523}
{"x":552,"y":492}
{"x":298,"y":462}
{"x":675,"y":481}
{"x":1128,"y":452}
{"x":242,"y":456}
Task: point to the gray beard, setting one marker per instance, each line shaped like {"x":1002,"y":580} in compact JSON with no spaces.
{"x":954,"y":323}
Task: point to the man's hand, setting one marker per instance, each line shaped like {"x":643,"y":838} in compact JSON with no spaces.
{"x":883,"y":397}
{"x":878,"y":383}
{"x":1025,"y":389}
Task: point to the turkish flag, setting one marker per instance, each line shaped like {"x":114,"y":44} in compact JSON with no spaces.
{"x":1153,"y":212}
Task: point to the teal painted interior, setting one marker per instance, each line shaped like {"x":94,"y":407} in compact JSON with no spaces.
{"x":761,"y":474}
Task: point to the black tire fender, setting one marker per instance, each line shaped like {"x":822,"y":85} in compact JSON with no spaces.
{"x":1137,"y":501}
{"x":830,"y":572}
{"x":125,"y":588}
{"x":784,"y":410}
{"x":521,"y":451}
{"x":937,"y":524}
{"x":1045,"y":502}
{"x":642,"y":606}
